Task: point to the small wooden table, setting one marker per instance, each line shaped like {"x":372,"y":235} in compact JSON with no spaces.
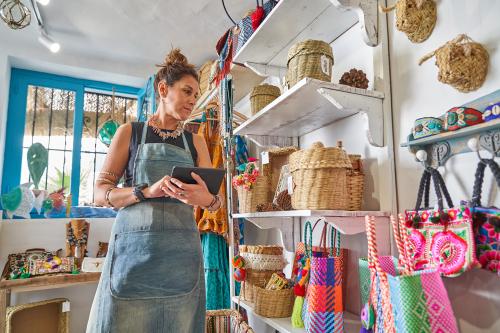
{"x":39,"y":283}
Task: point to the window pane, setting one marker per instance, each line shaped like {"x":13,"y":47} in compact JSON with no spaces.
{"x":49,"y":121}
{"x":97,"y":110}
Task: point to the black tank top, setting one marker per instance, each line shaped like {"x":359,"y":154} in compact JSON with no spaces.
{"x":152,"y":137}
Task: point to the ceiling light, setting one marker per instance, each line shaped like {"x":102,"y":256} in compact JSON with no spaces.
{"x":43,"y":2}
{"x":49,"y":43}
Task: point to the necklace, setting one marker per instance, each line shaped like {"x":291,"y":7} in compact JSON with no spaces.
{"x":155,"y":126}
{"x":77,"y":242}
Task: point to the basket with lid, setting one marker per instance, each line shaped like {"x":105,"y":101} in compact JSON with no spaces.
{"x":262,"y":95}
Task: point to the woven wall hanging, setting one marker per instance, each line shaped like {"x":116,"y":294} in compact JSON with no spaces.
{"x":462,"y":63}
{"x":416,"y":18}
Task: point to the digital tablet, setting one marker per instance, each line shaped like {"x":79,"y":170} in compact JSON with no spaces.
{"x":212,"y":177}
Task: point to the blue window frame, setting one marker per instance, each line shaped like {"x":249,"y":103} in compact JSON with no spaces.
{"x":16,"y":119}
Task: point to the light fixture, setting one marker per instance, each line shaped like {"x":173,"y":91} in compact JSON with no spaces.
{"x":43,"y":2}
{"x":48,"y":42}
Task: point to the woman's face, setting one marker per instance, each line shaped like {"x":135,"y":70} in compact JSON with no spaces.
{"x":179,"y":99}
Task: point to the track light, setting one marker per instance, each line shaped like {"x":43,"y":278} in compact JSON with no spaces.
{"x":49,"y":43}
{"x":43,"y":2}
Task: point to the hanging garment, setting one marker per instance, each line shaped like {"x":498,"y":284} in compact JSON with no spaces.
{"x":215,"y":257}
{"x":152,"y":280}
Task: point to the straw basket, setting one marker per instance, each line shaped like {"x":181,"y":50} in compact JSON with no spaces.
{"x":355,"y":183}
{"x":255,"y":279}
{"x":462,"y":63}
{"x":263,"y":258}
{"x":204,"y":76}
{"x":320,"y":178}
{"x":263,"y":95}
{"x":47,"y":314}
{"x":225,"y":321}
{"x":249,"y":199}
{"x":274,"y":303}
{"x":311,"y":58}
{"x":277,"y":158}
{"x":416,"y":18}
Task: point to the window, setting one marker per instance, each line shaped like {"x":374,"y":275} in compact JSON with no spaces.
{"x":64,"y":114}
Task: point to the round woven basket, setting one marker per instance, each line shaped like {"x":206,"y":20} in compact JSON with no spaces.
{"x":263,"y":95}
{"x":225,"y":321}
{"x":274,"y":303}
{"x":355,"y":183}
{"x":261,"y":249}
{"x":255,"y":279}
{"x":416,"y":18}
{"x":462,"y":63}
{"x":310,"y":58}
{"x":249,"y":199}
{"x":263,"y":261}
{"x":320,"y":178}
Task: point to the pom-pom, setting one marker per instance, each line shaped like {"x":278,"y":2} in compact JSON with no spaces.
{"x":299,"y":290}
{"x":238,"y":262}
{"x":257,"y":17}
{"x":240,"y":274}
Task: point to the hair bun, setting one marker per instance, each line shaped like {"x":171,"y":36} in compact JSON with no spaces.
{"x":175,"y":57}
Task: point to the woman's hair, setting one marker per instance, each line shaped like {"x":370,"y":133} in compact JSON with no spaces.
{"x":175,"y":67}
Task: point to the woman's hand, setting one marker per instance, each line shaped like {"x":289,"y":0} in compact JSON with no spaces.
{"x":156,"y":190}
{"x":191,"y":194}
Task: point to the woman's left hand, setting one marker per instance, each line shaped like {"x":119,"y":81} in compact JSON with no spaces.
{"x":191,"y":194}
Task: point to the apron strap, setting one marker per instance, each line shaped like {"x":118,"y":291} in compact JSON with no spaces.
{"x":138,"y":151}
{"x":186,"y":146}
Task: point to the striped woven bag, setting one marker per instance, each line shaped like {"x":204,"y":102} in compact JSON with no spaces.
{"x":325,"y":309}
{"x":407,"y":300}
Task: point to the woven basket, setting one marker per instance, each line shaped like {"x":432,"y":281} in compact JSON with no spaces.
{"x":277,"y":158}
{"x":263,"y":95}
{"x":320,"y":178}
{"x":274,"y":303}
{"x":416,"y":18}
{"x":311,"y":58}
{"x":355,"y":183}
{"x":22,"y":318}
{"x":462,"y":63}
{"x":225,"y":321}
{"x":204,"y":75}
{"x":261,"y":249}
{"x":249,"y":199}
{"x":255,"y":279}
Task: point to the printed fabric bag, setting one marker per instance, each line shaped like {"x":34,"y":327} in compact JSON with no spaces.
{"x":407,"y":300}
{"x":486,"y":220}
{"x":440,"y":238}
{"x":323,"y":309}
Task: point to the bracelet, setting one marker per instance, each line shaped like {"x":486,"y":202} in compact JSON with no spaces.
{"x":108,"y":192}
{"x":216,"y":199}
{"x":105,"y":181}
{"x":109,"y":173}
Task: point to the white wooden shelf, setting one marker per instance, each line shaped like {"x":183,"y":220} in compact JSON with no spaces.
{"x":352,"y":322}
{"x":346,"y":222}
{"x":311,"y":104}
{"x":292,"y":21}
{"x":244,"y":80}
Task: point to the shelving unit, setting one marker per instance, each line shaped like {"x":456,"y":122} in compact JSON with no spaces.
{"x":352,"y":322}
{"x":441,"y":147}
{"x":311,"y":104}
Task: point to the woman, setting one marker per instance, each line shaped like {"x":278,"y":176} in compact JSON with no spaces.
{"x":153,"y":279}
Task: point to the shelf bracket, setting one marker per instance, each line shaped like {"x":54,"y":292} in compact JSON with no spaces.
{"x":367,"y":11}
{"x":373,"y":112}
{"x":284,"y":225}
{"x":266,"y":70}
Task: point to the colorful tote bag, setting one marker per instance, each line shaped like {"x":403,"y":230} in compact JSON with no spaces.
{"x":440,"y":238}
{"x":324,"y":307}
{"x":486,"y":220}
{"x":405,"y":300}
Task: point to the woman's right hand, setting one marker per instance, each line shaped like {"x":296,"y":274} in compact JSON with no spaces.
{"x":156,"y":190}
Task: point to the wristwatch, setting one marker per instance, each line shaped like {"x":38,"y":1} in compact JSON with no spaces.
{"x":139,"y":196}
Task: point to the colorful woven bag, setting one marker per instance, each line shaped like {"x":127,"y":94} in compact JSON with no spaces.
{"x":404,"y":300}
{"x":442,"y":238}
{"x":324,"y":306}
{"x":486,"y":220}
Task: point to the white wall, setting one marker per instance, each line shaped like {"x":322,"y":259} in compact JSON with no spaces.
{"x":416,"y":91}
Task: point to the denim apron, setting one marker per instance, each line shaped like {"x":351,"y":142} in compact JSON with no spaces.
{"x":153,"y":278}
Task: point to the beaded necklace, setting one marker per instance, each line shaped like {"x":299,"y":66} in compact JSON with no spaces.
{"x":154,"y":123}
{"x":77,"y":242}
